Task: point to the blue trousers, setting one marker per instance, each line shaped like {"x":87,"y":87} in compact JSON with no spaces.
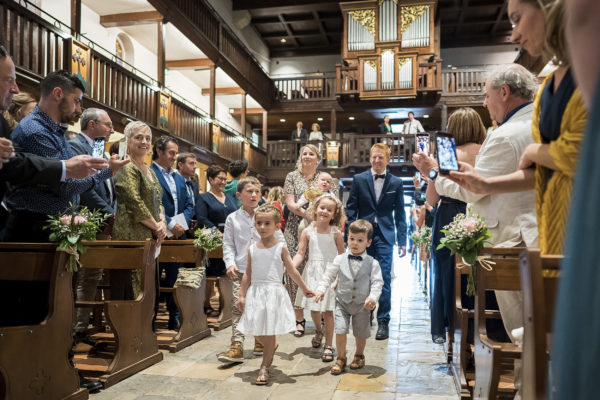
{"x":384,"y":254}
{"x":171,"y":270}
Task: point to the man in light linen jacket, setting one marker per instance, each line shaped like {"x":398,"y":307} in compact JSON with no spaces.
{"x":510,"y":217}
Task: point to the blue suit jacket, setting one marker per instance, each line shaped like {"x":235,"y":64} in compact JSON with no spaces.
{"x":98,"y":197}
{"x":184,"y":202}
{"x":389,"y":210}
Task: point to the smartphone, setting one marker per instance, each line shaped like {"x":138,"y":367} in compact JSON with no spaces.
{"x":446,"y":153}
{"x":98,"y":149}
{"x":422,"y":143}
{"x":418,"y":175}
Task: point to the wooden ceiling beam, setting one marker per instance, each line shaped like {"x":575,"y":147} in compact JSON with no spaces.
{"x":249,"y":111}
{"x":288,"y":30}
{"x":299,"y":34}
{"x":254,"y":5}
{"x":224,"y":90}
{"x":500,"y":17}
{"x":321,"y":28}
{"x":189,"y":64}
{"x":127,"y":19}
{"x":291,"y":18}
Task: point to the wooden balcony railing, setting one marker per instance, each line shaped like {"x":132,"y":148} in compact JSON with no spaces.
{"x":353,"y":150}
{"x":39,"y":47}
{"x":305,"y":88}
{"x":347,"y":79}
{"x":463,"y":81}
{"x":429,"y":76}
{"x":204,"y":27}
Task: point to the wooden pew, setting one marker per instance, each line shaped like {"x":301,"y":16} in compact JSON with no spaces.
{"x":461,"y":323}
{"x":539,"y":280}
{"x":129,"y":320}
{"x":492,"y":358}
{"x":190,"y":302}
{"x":34,"y":359}
{"x":225,"y":297}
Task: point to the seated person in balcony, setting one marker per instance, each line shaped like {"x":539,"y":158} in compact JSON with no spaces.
{"x":315,"y":133}
{"x":299,"y":134}
{"x":412,"y":125}
{"x":385,"y":128}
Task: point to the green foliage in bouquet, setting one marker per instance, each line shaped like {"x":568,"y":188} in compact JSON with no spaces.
{"x":208,"y":238}
{"x":422,"y":235}
{"x":69,"y":229}
{"x":466,"y":236}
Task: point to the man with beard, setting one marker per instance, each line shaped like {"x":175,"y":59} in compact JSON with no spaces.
{"x":42,"y":133}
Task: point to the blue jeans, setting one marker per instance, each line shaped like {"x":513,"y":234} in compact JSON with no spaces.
{"x":384,"y":254}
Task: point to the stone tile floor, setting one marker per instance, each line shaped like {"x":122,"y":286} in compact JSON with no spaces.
{"x":407,"y":366}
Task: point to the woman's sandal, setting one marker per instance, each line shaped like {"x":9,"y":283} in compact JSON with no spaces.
{"x":339,"y":366}
{"x":357,"y":362}
{"x":263,"y":376}
{"x":300,"y":332}
{"x":317,"y":339}
{"x":328,"y":357}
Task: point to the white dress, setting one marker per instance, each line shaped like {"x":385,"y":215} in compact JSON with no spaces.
{"x":268,"y":309}
{"x":321,"y":251}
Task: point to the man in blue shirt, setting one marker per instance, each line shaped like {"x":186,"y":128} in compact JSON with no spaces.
{"x":42,"y":133}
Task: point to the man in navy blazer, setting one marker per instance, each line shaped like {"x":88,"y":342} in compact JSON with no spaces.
{"x":378,"y":197}
{"x":175,"y":200}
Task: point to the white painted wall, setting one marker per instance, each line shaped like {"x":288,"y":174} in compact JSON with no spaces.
{"x":482,"y":55}
{"x":145,"y":59}
{"x":290,"y":66}
{"x":248,"y":35}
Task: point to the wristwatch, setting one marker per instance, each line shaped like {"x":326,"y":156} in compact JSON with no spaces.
{"x":433,"y":174}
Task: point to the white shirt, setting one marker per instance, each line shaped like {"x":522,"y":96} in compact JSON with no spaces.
{"x":172,"y":187}
{"x":332,"y":269}
{"x":315,"y":135}
{"x":377,"y":183}
{"x":413,"y":126}
{"x":238,"y":235}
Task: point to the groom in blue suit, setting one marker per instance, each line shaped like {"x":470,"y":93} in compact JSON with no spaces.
{"x":378,"y":197}
{"x":175,"y":200}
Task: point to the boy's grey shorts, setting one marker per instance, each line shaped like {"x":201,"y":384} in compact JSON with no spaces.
{"x":360,"y":317}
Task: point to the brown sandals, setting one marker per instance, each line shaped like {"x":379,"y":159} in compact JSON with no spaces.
{"x":339,"y":366}
{"x":263,"y":376}
{"x":327,"y":354}
{"x":317,"y":339}
{"x":357,"y":362}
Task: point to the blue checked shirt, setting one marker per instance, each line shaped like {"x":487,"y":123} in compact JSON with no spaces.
{"x":38,"y":134}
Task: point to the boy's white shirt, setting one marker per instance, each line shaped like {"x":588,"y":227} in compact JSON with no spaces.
{"x":333,"y":268}
{"x":239,"y":234}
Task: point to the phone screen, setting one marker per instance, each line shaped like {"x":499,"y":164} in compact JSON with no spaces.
{"x":98,"y":149}
{"x":422,"y":143}
{"x":446,"y":154}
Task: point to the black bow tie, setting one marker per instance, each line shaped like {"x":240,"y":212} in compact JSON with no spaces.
{"x":352,"y":257}
{"x":379,"y":176}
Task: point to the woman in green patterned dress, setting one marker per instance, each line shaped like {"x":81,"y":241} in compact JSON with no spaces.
{"x":140,"y":214}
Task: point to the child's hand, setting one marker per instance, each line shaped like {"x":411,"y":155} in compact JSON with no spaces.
{"x":308,"y":293}
{"x":240,"y":304}
{"x":318,"y":297}
{"x":370,"y":304}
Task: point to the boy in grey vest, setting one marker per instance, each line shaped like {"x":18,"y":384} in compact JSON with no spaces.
{"x":359,"y":284}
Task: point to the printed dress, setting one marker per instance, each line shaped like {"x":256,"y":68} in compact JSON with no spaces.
{"x":268,"y":309}
{"x":321,"y":251}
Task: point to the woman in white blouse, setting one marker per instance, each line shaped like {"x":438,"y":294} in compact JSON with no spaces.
{"x":315,"y":133}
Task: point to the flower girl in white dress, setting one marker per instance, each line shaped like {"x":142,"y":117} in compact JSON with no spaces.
{"x":324,"y":242}
{"x":266,"y":305}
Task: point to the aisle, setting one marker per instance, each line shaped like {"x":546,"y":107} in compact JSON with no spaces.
{"x":407,"y":366}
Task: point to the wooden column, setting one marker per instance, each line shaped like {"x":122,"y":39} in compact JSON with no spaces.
{"x":333,"y":124}
{"x":264,"y":129}
{"x":75,"y":17}
{"x":243,"y":114}
{"x":444,"y":116}
{"x":212,"y":91}
{"x":161,"y":53}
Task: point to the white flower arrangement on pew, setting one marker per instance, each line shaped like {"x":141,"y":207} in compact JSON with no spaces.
{"x":466,"y":235}
{"x":206,"y":239}
{"x":71,"y":228}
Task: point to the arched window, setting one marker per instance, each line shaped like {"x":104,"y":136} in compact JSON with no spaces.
{"x":123,"y":49}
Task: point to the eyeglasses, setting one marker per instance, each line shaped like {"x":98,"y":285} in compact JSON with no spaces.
{"x":107,"y":124}
{"x":221,"y":178}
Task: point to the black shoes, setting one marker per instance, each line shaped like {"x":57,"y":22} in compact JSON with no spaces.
{"x":383,"y":332}
{"x":173,"y":324}
{"x":91,"y":386}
